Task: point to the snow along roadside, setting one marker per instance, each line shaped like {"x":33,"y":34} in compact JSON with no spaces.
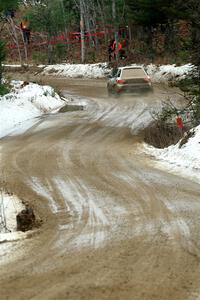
{"x":10,"y":206}
{"x":184,"y":160}
{"x":158,"y":74}
{"x":26,"y":102}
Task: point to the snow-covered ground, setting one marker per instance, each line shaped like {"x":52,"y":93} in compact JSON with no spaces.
{"x":158,"y":73}
{"x":26,"y":103}
{"x":99,"y":70}
{"x":10,"y":206}
{"x":184,"y":160}
{"x":164,"y":73}
{"x":19,"y":110}
{"x":32,"y":100}
{"x":20,"y":107}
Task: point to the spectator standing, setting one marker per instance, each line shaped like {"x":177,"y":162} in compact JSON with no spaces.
{"x":110,"y":50}
{"x":179,"y":123}
{"x":117,"y":49}
{"x":25,"y":30}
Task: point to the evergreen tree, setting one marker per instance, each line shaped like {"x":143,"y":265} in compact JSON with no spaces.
{"x":47,"y":16}
{"x":150,"y":13}
{"x":5,"y":5}
{"x":192,"y":13}
{"x":153,"y":14}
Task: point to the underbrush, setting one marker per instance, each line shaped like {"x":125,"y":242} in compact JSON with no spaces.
{"x":3,"y":89}
{"x":161,"y":135}
{"x":165,"y":130}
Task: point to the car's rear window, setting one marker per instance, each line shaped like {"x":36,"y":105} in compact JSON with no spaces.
{"x":133,"y":73}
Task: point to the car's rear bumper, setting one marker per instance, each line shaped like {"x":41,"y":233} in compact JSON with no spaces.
{"x":132,"y":87}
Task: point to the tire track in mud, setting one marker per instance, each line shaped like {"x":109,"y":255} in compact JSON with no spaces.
{"x":114,"y":227}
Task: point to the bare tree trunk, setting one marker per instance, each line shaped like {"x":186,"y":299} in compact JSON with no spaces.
{"x":87,"y":18}
{"x":25,"y":48}
{"x":115,"y":28}
{"x":129,"y":33}
{"x":50,"y":51}
{"x":102,"y":13}
{"x":94,"y":19}
{"x":82,"y":32}
{"x":13,"y":33}
{"x":1,"y":72}
{"x":66,"y":30}
{"x":87,"y":25}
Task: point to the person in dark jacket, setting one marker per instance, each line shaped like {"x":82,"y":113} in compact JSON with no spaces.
{"x":25,"y":30}
{"x":110,"y":50}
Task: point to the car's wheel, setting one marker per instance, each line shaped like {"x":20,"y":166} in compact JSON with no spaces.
{"x":150,"y":90}
{"x":110,"y":91}
{"x":117,"y":93}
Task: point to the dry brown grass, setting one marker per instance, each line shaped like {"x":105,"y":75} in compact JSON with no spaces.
{"x":162,"y":135}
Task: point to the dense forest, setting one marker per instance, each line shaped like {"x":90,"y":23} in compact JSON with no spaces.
{"x":80,"y":30}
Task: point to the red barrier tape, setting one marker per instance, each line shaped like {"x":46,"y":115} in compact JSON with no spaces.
{"x":62,"y":37}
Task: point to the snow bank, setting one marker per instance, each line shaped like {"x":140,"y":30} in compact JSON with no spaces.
{"x":166,"y":73}
{"x":12,"y":66}
{"x":10,"y":206}
{"x":26,"y":102}
{"x":185,"y":157}
{"x":99,"y":70}
{"x":162,"y":73}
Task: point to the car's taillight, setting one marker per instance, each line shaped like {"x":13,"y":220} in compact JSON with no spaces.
{"x":147,"y":79}
{"x":121,"y":81}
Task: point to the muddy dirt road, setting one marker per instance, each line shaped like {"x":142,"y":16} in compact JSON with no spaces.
{"x":113,"y":227}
